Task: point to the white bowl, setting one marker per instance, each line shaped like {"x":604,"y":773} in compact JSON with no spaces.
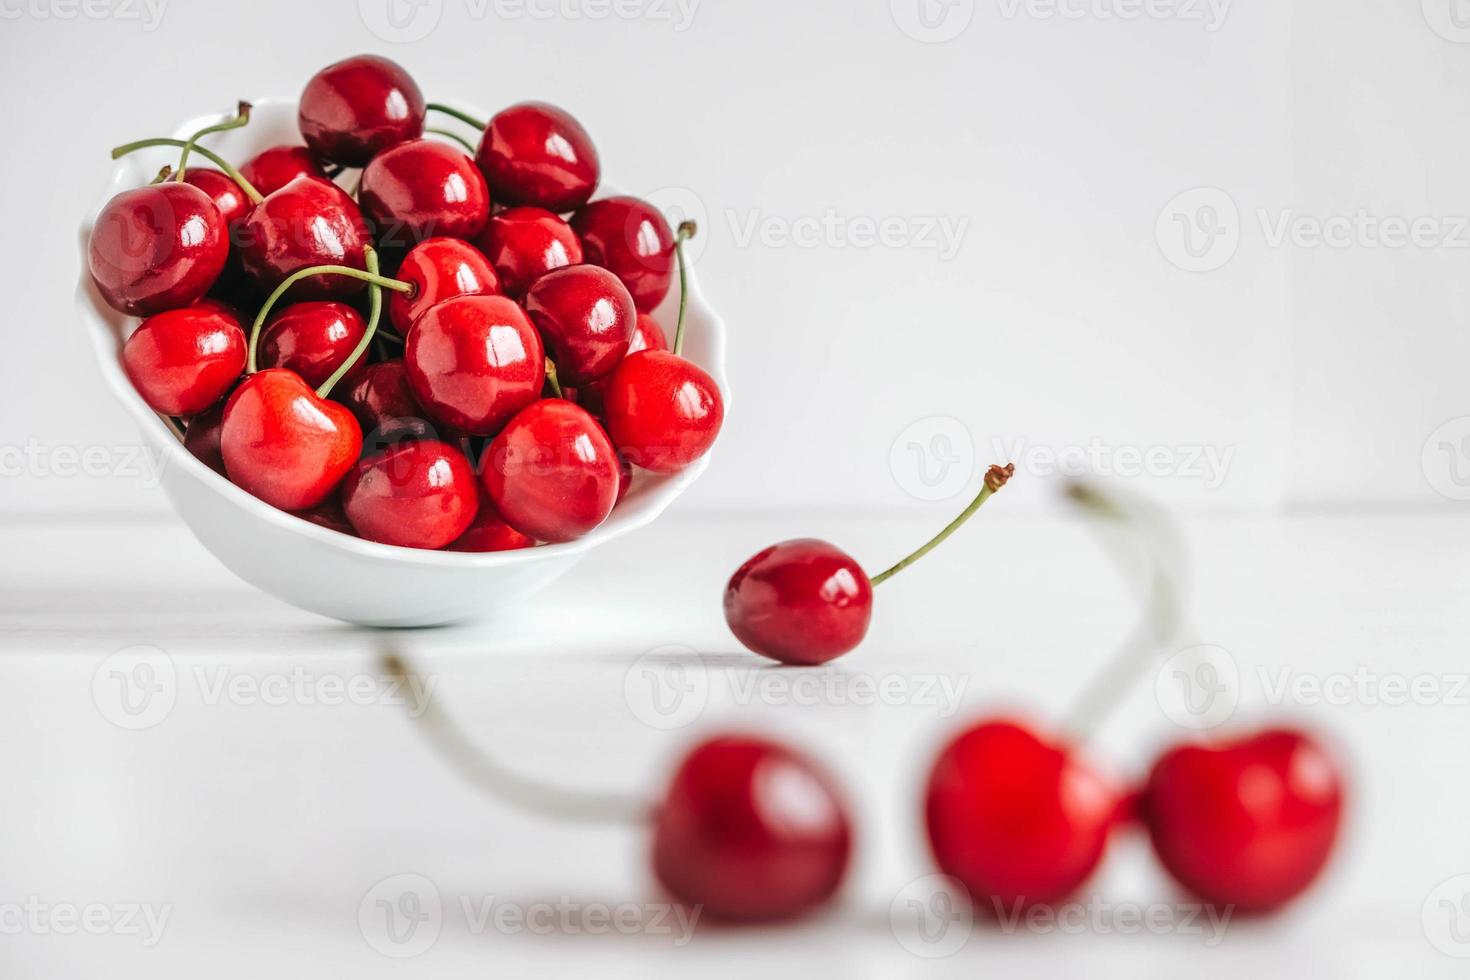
{"x":321,"y":570}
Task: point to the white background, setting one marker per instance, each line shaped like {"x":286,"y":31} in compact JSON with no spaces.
{"x":1061,"y":143}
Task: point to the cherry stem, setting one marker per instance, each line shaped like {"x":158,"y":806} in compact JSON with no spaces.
{"x":453,"y":136}
{"x":1163,"y":616}
{"x":375,"y":313}
{"x":164,"y":174}
{"x":479,"y":768}
{"x":318,"y":270}
{"x":995,"y":478}
{"x":242,"y":116}
{"x":214,"y":158}
{"x":687,"y":230}
{"x":463,"y":117}
{"x":551,"y":378}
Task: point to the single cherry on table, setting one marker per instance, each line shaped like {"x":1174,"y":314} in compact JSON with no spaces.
{"x":354,"y":109}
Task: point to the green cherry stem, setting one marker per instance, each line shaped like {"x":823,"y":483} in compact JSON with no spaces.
{"x":463,"y":117}
{"x":995,"y":478}
{"x":255,"y":196}
{"x":375,"y":313}
{"x":453,"y":136}
{"x":396,"y":285}
{"x":552,"y":379}
{"x":164,"y":174}
{"x":242,"y":116}
{"x":687,"y":230}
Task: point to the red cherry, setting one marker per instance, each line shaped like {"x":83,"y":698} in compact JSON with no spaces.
{"x":800,"y":602}
{"x":592,"y":395}
{"x":157,"y":248}
{"x":1249,"y":823}
{"x":632,"y":240}
{"x":438,"y":269}
{"x":552,"y":472}
{"x":1019,"y":821}
{"x":489,"y":532}
{"x":312,"y":339}
{"x":183,"y":361}
{"x":806,"y":601}
{"x":751,"y":831}
{"x":329,"y":514}
{"x":221,"y":188}
{"x":473,"y":362}
{"x":647,"y":335}
{"x":358,"y":107}
{"x":420,"y":494}
{"x":380,"y":396}
{"x":284,"y":444}
{"x":423,"y":188}
{"x":201,"y":437}
{"x":271,"y":169}
{"x":625,"y":478}
{"x":526,"y":243}
{"x":308,"y":222}
{"x":586,"y":318}
{"x":537,"y":154}
{"x":662,"y":410}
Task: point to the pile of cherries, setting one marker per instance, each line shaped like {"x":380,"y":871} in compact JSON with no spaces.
{"x":523,"y":378}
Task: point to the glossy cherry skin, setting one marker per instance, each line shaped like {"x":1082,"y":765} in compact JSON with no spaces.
{"x":631,"y":239}
{"x":312,"y":339}
{"x":647,"y":335}
{"x":358,"y":107}
{"x":285,"y":445}
{"x":308,"y":222}
{"x":551,"y":472}
{"x":802,"y":602}
{"x":183,"y":361}
{"x":662,"y":410}
{"x":751,"y":831}
{"x":222,"y":190}
{"x":157,"y":248}
{"x":489,"y":532}
{"x":526,"y":243}
{"x":419,"y":494}
{"x":273,"y":168}
{"x":1249,"y":823}
{"x":329,"y":514}
{"x":538,"y":155}
{"x":201,"y":437}
{"x":1016,"y":819}
{"x":380,"y":397}
{"x":473,"y":362}
{"x":423,"y":188}
{"x":439,"y":269}
{"x":586,"y":318}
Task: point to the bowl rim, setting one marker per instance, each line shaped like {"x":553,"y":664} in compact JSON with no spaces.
{"x":106,"y":345}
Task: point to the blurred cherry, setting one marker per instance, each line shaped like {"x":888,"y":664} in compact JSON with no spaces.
{"x":750,"y":831}
{"x":183,"y":361}
{"x":537,"y":154}
{"x":551,"y":472}
{"x":630,"y":238}
{"x":1248,"y":823}
{"x":358,"y":107}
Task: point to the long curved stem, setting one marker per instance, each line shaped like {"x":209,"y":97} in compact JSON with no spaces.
{"x":255,"y":196}
{"x":375,"y":313}
{"x":1163,"y":618}
{"x":480,"y":768}
{"x":316,"y":270}
{"x":687,"y":230}
{"x":463,"y":117}
{"x":242,"y":116}
{"x":995,"y":478}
